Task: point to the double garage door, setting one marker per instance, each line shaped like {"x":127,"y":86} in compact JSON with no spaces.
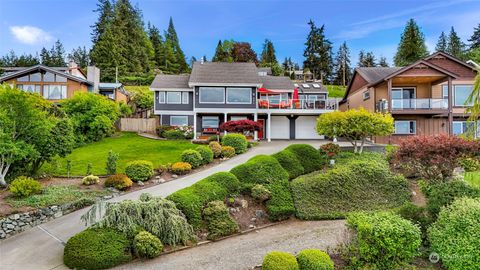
{"x":305,"y":128}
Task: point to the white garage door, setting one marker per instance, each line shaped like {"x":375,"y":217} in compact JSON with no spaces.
{"x":280,"y":127}
{"x":305,"y":128}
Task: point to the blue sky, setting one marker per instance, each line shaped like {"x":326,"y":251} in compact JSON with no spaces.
{"x":28,"y":25}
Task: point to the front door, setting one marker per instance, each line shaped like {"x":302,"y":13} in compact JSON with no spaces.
{"x":261,"y":131}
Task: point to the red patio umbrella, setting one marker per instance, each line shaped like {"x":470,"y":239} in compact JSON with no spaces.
{"x":295,"y":98}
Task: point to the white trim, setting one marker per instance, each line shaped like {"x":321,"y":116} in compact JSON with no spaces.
{"x":229,"y":110}
{"x":172,"y":89}
{"x":203,"y":102}
{"x":237,"y":88}
{"x":258,"y":85}
{"x":164,"y":97}
{"x":408,"y":121}
{"x":170,"y":112}
{"x":168,"y":102}
{"x":188,"y":97}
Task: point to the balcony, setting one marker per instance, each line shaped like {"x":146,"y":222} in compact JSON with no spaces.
{"x":278,"y":104}
{"x":420,"y":104}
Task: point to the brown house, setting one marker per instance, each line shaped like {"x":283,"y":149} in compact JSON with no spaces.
{"x":425,"y":98}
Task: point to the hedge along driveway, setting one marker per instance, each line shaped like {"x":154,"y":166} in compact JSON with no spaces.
{"x":128,"y":145}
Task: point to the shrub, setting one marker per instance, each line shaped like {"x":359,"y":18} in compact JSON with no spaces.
{"x":193,"y":157}
{"x":206,"y":153}
{"x":314,"y":259}
{"x":162,"y":129}
{"x":237,"y":141}
{"x":416,"y":214}
{"x":215,"y":138}
{"x":147,"y":245}
{"x":181,"y":168}
{"x":382,"y":241}
{"x":261,"y":169}
{"x":216,"y":148}
{"x":470,"y":164}
{"x":278,"y":260}
{"x":139,"y":170}
{"x":242,"y":126}
{"x":119,"y":181}
{"x":90,"y":180}
{"x":111,"y":166}
{"x":174,"y":134}
{"x":290,"y":163}
{"x":228,"y":151}
{"x":330,"y":149}
{"x":96,"y":249}
{"x":308,"y":156}
{"x":260,"y":193}
{"x":280,"y":205}
{"x":455,"y":234}
{"x":24,"y":186}
{"x":219,"y":222}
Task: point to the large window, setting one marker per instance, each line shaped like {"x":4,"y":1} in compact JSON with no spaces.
{"x":54,"y":91}
{"x":210,"y":122}
{"x":49,"y":77}
{"x":174,"y":97}
{"x":239,"y":95}
{"x":405,"y":127}
{"x":212,"y":95}
{"x":179,"y":120}
{"x":31,"y":88}
{"x":401,"y":98}
{"x":184,"y":97}
{"x":461,"y":127}
{"x":36,"y":77}
{"x":460,"y":94}
{"x":161,"y":97}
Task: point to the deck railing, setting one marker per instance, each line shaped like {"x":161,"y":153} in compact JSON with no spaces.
{"x":298,"y":104}
{"x":419,"y":104}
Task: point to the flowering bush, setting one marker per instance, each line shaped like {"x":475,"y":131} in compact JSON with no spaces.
{"x":175,"y":132}
{"x":241,"y":126}
{"x":330,"y":149}
{"x":90,"y":180}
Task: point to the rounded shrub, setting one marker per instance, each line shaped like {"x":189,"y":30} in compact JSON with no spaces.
{"x":206,"y":153}
{"x":237,"y":141}
{"x":181,"y":168}
{"x":119,"y":181}
{"x":139,"y":170}
{"x":455,"y":234}
{"x":216,"y":148}
{"x":260,"y":169}
{"x":308,"y":156}
{"x":219,"y":222}
{"x":260,"y":193}
{"x":174,"y":134}
{"x":90,"y":180}
{"x":228,"y":151}
{"x":278,"y":260}
{"x":24,"y":186}
{"x":193,"y":157}
{"x":147,"y":245}
{"x":290,"y":163}
{"x":314,"y":259}
{"x":96,"y":249}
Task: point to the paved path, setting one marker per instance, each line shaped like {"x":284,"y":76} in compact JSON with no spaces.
{"x":246,"y":251}
{"x":42,"y":247}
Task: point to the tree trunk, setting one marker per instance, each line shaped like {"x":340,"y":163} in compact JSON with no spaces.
{"x":355,"y":147}
{"x":361,"y":146}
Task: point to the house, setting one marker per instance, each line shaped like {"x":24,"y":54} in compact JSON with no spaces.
{"x":425,"y":98}
{"x":216,"y":92}
{"x":58,"y":83}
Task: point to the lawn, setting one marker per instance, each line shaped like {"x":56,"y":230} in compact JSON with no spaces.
{"x":335,"y":91}
{"x":128,"y":145}
{"x":473,"y":178}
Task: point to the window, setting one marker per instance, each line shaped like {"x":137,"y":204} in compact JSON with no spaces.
{"x":402,"y":98}
{"x":36,"y":77}
{"x":30,"y":88}
{"x":55,"y":91}
{"x":23,"y":79}
{"x":184,"y":97}
{"x":366,"y":95}
{"x":405,"y":127}
{"x":461,"y":127}
{"x":161,"y":97}
{"x":211,"y":95}
{"x":179,"y":120}
{"x":461,"y":94}
{"x":238,"y":118}
{"x":59,"y":78}
{"x":239,"y":95}
{"x":445,"y":91}
{"x":210,"y":122}
{"x":174,"y":97}
{"x":48,"y":77}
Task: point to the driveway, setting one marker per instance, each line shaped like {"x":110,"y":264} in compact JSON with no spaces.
{"x":42,"y":246}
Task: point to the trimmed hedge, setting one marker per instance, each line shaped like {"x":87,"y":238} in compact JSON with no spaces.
{"x":237,"y":141}
{"x":308,"y":156}
{"x":96,"y":249}
{"x":119,"y":181}
{"x":314,"y":259}
{"x":280,"y":205}
{"x":278,"y":260}
{"x":219,"y":222}
{"x":290,"y":163}
{"x":192,"y":200}
{"x":261,"y":169}
{"x":181,"y":168}
{"x":174,"y":134}
{"x":206,"y":153}
{"x":139,"y":170}
{"x":193,"y":157}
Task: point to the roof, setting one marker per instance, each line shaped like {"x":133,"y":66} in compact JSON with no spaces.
{"x":451,"y":57}
{"x":374,"y":74}
{"x":223,"y":73}
{"x":109,"y":86}
{"x":163,"y":81}
{"x":268,"y":70}
{"x":22,"y":71}
{"x":311,"y":87}
{"x":277,"y":83}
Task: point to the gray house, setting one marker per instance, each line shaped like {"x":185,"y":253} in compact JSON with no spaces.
{"x":216,"y":92}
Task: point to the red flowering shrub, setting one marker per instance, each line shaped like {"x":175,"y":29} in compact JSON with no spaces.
{"x":433,"y":157}
{"x":330,"y":149}
{"x":241,"y":126}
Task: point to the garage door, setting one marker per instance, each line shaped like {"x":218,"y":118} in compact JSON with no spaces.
{"x":305,"y":128}
{"x":280,"y":127}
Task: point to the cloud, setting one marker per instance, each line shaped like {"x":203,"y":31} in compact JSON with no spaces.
{"x":30,"y":35}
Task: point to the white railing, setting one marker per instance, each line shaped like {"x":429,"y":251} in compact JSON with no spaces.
{"x":419,"y":104}
{"x":273,"y":103}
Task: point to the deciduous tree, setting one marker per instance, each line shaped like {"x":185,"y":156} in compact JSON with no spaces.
{"x":243,"y":52}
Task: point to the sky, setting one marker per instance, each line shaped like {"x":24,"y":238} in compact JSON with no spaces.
{"x":28,"y":25}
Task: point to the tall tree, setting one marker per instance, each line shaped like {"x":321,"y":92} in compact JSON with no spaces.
{"x":383,"y":62}
{"x":171,"y":35}
{"x":158,"y":46}
{"x":243,"y":52}
{"x":171,"y":63}
{"x":24,"y":60}
{"x":455,"y":46}
{"x":318,"y":53}
{"x":268,"y":57}
{"x":105,"y":17}
{"x":366,"y":59}
{"x":80,"y":56}
{"x":442,"y":43}
{"x":412,"y":45}
{"x":221,"y":55}
{"x":475,"y":38}
{"x":343,"y":70}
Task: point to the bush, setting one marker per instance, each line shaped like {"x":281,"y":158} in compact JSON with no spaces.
{"x":216,"y":148}
{"x":280,"y":205}
{"x":119,"y":181}
{"x":314,"y":259}
{"x":90,"y":180}
{"x":96,"y":249}
{"x":330,"y":150}
{"x":470,"y":164}
{"x":455,"y":234}
{"x":192,"y":157}
{"x":174,"y":134}
{"x":215,"y":138}
{"x":111,"y":166}
{"x":206,"y":153}
{"x":278,"y":260}
{"x":416,"y":214}
{"x":260,"y":193}
{"x":290,"y":163}
{"x":139,"y":170}
{"x":219,"y":222}
{"x":228,"y":151}
{"x":261,"y":169}
{"x":162,"y":129}
{"x":24,"y":186}
{"x":308,"y":156}
{"x":382,"y":241}
{"x":237,"y":141}
{"x":147,"y":245}
{"x":181,"y":168}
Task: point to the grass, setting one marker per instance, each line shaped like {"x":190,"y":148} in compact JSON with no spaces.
{"x":473,"y":178}
{"x":128,"y":145}
{"x":336,"y":91}
{"x":58,"y":195}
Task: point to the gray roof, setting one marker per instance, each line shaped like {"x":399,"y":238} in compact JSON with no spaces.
{"x":311,"y":87}
{"x":375,"y":74}
{"x":277,"y":83}
{"x":163,"y":81}
{"x":211,"y":73}
{"x":109,"y":86}
{"x":22,"y":71}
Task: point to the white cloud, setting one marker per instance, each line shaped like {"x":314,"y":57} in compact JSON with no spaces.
{"x":30,"y":35}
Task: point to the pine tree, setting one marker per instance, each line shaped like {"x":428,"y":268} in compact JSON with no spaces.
{"x":475,"y":38}
{"x":80,"y":56}
{"x":105,"y":17}
{"x":171,"y":35}
{"x":57,"y":54}
{"x":193,"y":59}
{"x":441,"y":43}
{"x":220,"y":54}
{"x":45,"y":56}
{"x":158,"y":46}
{"x":455,"y":46}
{"x":12,"y":60}
{"x":366,"y":59}
{"x":268,"y":57}
{"x":383,"y":62}
{"x":412,"y":45}
{"x":343,"y":71}
{"x":318,"y":53}
{"x":106,"y":55}
{"x":171,"y":63}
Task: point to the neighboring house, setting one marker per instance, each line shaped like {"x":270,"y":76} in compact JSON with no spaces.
{"x":216,"y":92}
{"x":425,"y":98}
{"x":58,"y":83}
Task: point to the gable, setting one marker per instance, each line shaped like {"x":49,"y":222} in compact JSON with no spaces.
{"x":463,"y":71}
{"x":358,"y":82}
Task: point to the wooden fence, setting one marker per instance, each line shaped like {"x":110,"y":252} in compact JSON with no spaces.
{"x":146,"y":125}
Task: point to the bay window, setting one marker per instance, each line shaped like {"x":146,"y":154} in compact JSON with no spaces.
{"x":211,"y":95}
{"x":239,"y":95}
{"x":405,"y":127}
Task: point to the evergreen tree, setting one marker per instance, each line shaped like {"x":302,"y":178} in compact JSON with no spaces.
{"x":106,"y":55}
{"x":105,"y":17}
{"x":441,"y":43}
{"x":343,"y":71}
{"x":57,"y":54}
{"x":268,"y":57}
{"x":171,"y":35}
{"x":80,"y":56}
{"x":45,"y":56}
{"x":412,"y":45}
{"x":318,"y":53}
{"x":220,"y":54}
{"x":243,"y":52}
{"x":455,"y":46}
{"x":475,"y":38}
{"x":383,"y":62}
{"x":12,"y":60}
{"x":171,"y":63}
{"x":193,"y":59}
{"x":158,"y":46}
{"x":366,"y":59}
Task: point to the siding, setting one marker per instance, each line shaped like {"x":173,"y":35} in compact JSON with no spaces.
{"x":462,"y":71}
{"x":425,"y":126}
{"x":174,"y":107}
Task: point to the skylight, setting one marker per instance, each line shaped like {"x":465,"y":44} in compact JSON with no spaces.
{"x":306,"y":85}
{"x":316,"y":85}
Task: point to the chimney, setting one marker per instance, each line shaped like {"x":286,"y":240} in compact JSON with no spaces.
{"x":93,"y":75}
{"x":202,"y":60}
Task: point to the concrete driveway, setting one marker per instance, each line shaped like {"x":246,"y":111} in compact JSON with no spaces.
{"x":42,"y":246}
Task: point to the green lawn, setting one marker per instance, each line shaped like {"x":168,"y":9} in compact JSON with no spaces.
{"x":473,"y":178}
{"x":335,"y":91}
{"x":128,"y":145}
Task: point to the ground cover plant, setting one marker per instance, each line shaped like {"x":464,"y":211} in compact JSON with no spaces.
{"x":473,"y":178}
